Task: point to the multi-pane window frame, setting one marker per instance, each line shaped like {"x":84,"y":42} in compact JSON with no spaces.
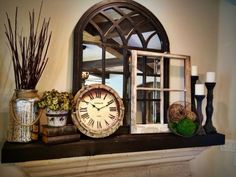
{"x":161,"y":127}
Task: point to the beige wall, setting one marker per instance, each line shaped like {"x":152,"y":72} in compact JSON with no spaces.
{"x":203,"y":29}
{"x":216,"y":162}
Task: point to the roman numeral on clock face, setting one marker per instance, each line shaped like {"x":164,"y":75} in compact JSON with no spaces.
{"x":91,"y":96}
{"x":99,"y":125}
{"x":98,"y":93}
{"x":85,"y":116}
{"x":105,"y":96}
{"x":112,"y":109}
{"x":91,"y":122}
{"x":111,"y":116}
{"x":83,"y":110}
{"x":110,"y":102}
{"x":107,"y":123}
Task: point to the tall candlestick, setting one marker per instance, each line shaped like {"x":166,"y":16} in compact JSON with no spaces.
{"x":199,"y":99}
{"x":194,"y":71}
{"x":209,"y":128}
{"x":193,"y":82}
{"x":199,"y":89}
{"x":211,"y":77}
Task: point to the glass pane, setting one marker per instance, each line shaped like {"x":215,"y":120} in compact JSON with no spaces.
{"x":103,"y":23}
{"x":177,"y":74}
{"x":92,"y":63}
{"x":125,"y":10}
{"x":114,"y":65}
{"x":177,"y":80}
{"x":151,"y":82}
{"x":176,"y":96}
{"x":126,"y":26}
{"x":152,"y":70}
{"x":140,"y":81}
{"x":91,"y":53}
{"x":148,"y":34}
{"x":116,"y":82}
{"x":93,"y":79}
{"x":153,"y":113}
{"x":91,"y":33}
{"x":139,"y":112}
{"x":134,"y":41}
{"x":114,"y":36}
{"x":137,"y":18}
{"x":148,"y":107}
{"x":154,"y":42}
{"x":113,"y":14}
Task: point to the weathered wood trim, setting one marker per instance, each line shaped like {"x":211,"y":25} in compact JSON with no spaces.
{"x":162,"y":126}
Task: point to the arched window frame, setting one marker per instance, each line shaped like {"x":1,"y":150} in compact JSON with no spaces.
{"x":78,"y":45}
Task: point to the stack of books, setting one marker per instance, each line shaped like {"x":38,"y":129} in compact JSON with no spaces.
{"x":58,"y":135}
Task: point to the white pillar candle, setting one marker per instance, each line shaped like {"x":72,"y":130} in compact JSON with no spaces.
{"x":199,"y":89}
{"x":194,"y":71}
{"x":210,"y":77}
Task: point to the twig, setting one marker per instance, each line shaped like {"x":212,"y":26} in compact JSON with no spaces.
{"x":29,"y":60}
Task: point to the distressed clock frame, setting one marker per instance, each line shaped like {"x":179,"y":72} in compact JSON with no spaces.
{"x":77,"y":119}
{"x":162,"y":126}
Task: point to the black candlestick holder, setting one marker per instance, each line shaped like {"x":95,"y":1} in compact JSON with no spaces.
{"x":199,"y":99}
{"x":193,"y":82}
{"x":209,"y":128}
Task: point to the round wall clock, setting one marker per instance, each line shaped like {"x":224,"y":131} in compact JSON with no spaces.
{"x":99,"y":110}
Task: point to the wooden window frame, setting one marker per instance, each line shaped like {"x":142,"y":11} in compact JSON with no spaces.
{"x":160,"y":127}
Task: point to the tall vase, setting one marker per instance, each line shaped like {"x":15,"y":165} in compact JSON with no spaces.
{"x":24,"y":117}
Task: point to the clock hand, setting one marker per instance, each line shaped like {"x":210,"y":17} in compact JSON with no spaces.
{"x":92,"y":104}
{"x":95,"y":106}
{"x":110,"y":102}
{"x":103,"y":107}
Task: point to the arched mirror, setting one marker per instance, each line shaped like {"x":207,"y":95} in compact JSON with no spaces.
{"x":103,"y":38}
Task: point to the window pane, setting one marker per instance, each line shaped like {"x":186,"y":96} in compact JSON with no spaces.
{"x":177,"y":74}
{"x":116,"y":82}
{"x":149,"y":107}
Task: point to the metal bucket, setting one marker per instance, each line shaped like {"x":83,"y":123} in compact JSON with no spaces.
{"x":24,"y":117}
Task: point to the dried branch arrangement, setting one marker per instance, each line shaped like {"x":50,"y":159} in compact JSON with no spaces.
{"x":29,"y":53}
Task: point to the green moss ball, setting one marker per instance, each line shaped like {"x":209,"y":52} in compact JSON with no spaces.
{"x":186,"y":127}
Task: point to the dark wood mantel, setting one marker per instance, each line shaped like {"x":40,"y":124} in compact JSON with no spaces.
{"x":15,"y":152}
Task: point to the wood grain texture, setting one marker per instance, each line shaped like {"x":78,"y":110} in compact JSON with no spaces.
{"x":15,"y":152}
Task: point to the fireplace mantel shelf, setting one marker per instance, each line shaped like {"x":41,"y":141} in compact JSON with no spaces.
{"x":14,"y":152}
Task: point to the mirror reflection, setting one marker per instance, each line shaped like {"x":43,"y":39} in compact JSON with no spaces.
{"x":109,"y":33}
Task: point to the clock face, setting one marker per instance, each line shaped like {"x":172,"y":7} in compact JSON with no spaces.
{"x":99,"y":110}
